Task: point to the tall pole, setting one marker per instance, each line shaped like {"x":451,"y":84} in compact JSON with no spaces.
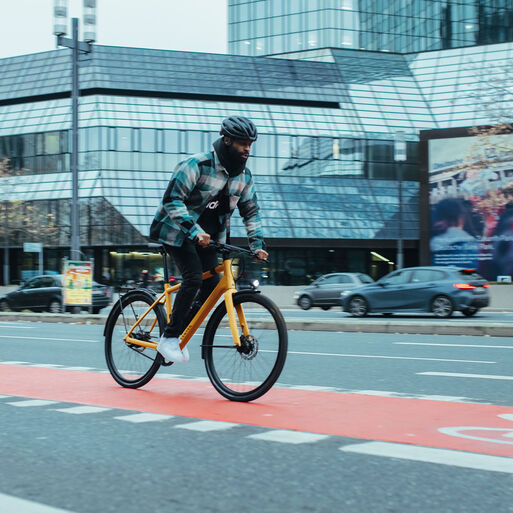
{"x":6,"y":241}
{"x":75,"y":224}
{"x":400,"y":157}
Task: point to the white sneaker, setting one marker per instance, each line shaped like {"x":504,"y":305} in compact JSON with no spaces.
{"x":169,"y":348}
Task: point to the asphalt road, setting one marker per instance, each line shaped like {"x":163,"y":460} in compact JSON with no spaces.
{"x":358,"y":422}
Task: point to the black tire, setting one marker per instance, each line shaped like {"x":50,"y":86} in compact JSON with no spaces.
{"x":305,"y":302}
{"x":96,"y":310}
{"x":470,"y":311}
{"x":387,"y":314}
{"x":4,"y":306}
{"x":142,"y":363}
{"x":325,"y":307}
{"x":442,"y":306}
{"x":358,"y":306}
{"x":55,"y":306}
{"x":246,"y":372}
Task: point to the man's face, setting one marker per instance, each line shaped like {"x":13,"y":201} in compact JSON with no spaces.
{"x":239,"y":147}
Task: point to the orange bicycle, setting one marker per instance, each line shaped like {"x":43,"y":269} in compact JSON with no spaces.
{"x":244,"y":343}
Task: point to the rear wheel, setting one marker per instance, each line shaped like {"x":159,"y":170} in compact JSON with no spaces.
{"x":4,"y":306}
{"x":358,"y":307}
{"x":325,"y":307}
{"x":131,"y":365}
{"x":442,"y":307}
{"x":470,"y":311}
{"x":246,"y":372}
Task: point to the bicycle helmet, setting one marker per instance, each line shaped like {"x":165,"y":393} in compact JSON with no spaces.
{"x":239,"y":127}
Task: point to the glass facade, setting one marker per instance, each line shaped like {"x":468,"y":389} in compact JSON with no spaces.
{"x":277,"y":27}
{"x":323,"y":164}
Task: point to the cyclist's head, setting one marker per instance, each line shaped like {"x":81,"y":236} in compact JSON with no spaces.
{"x":239,"y":133}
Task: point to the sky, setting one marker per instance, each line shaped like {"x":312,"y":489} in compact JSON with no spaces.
{"x":26,"y":26}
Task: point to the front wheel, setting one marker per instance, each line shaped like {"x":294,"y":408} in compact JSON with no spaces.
{"x":132,"y":366}
{"x":305,"y":302}
{"x":246,"y":372}
{"x":358,"y":307}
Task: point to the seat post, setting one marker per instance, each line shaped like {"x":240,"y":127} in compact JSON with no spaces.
{"x":164,"y":260}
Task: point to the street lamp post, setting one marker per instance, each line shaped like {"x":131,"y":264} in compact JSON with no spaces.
{"x":77,"y":47}
{"x":400,"y":157}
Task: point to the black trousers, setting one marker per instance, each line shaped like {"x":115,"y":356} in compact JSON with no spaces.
{"x":192,"y":260}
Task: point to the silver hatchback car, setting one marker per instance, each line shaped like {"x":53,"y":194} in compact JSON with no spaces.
{"x":325,"y":291}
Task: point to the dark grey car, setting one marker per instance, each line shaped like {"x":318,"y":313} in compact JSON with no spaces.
{"x":325,"y":291}
{"x":439,"y":290}
{"x":45,"y":293}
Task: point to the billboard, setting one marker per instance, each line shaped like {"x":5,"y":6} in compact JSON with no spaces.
{"x":471,"y":203}
{"x":77,"y":283}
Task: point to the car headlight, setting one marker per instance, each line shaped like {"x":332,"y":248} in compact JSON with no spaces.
{"x":255,"y":283}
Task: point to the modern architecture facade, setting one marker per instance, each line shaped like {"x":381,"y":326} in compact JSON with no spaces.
{"x":324,"y":167}
{"x":305,"y":28}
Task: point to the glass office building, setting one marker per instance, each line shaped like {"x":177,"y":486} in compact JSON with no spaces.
{"x":323,"y":164}
{"x":305,"y":28}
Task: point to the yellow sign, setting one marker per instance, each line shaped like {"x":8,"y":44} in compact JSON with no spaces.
{"x":77,"y":284}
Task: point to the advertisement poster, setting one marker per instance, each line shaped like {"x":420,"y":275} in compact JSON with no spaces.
{"x":77,"y":283}
{"x":471,"y":203}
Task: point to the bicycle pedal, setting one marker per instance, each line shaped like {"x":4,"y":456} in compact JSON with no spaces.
{"x":166,"y":364}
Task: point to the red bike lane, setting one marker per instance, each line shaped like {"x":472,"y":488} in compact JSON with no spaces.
{"x":400,"y":420}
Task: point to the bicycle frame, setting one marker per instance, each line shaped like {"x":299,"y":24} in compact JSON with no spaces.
{"x":226,"y":287}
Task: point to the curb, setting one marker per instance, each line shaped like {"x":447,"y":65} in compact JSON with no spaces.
{"x":435,"y":327}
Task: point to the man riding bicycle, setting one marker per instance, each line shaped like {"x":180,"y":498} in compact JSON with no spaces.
{"x":201,"y":196}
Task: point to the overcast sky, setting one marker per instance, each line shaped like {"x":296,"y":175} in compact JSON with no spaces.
{"x":26,"y":26}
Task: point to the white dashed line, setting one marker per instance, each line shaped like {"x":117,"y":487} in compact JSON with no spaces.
{"x":288,"y":437}
{"x":207,"y":425}
{"x":432,"y":455}
{"x":144,"y":417}
{"x":461,"y":375}
{"x":451,"y":345}
{"x":79,"y":410}
{"x":32,"y":402}
{"x":9,"y":503}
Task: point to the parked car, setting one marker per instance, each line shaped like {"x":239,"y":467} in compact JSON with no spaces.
{"x":325,"y":291}
{"x":44,"y":293}
{"x":439,"y":290}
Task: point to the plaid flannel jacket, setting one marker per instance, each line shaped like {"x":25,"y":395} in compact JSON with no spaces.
{"x":194,"y":183}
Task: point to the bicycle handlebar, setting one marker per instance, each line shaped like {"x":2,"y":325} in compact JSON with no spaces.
{"x":228,"y":248}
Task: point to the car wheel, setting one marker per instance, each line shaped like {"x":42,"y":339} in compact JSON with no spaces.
{"x":55,"y":306}
{"x":96,"y":310}
{"x":305,"y":302}
{"x":470,"y":311}
{"x":358,"y":307}
{"x":325,"y":307}
{"x":442,"y":306}
{"x":4,"y":306}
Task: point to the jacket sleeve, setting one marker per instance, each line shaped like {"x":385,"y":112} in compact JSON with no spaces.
{"x":178,"y":193}
{"x":250,"y":213}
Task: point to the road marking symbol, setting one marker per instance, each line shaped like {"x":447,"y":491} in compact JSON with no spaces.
{"x":144,"y":417}
{"x":80,"y":410}
{"x":32,"y":402}
{"x":431,"y":455}
{"x":207,"y":425}
{"x":288,"y":436}
{"x":461,"y":375}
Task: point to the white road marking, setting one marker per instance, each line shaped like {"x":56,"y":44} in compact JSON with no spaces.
{"x":451,"y":345}
{"x":5,"y":396}
{"x":207,"y":425}
{"x":461,"y":375}
{"x":79,"y":368}
{"x":459,"y":431}
{"x":17,"y":326}
{"x":432,"y":455}
{"x":80,"y":410}
{"x":45,"y":365}
{"x":32,"y":402}
{"x":13,"y":363}
{"x":51,"y":338}
{"x":314,"y":388}
{"x":144,"y":417}
{"x":9,"y":503}
{"x":288,"y":436}
{"x":507,"y":416}
{"x":378,"y":356}
{"x":384,"y":393}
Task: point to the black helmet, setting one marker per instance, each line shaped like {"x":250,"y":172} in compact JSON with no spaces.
{"x":239,"y":127}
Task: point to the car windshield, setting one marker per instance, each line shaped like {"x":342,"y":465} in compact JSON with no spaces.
{"x":364,"y":278}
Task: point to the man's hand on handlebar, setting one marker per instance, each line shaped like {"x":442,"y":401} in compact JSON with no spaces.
{"x":261,"y":254}
{"x":203,"y":239}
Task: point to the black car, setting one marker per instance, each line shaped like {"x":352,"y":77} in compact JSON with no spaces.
{"x":44,"y":293}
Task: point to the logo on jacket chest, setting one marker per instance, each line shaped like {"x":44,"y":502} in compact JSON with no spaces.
{"x":212,"y":205}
